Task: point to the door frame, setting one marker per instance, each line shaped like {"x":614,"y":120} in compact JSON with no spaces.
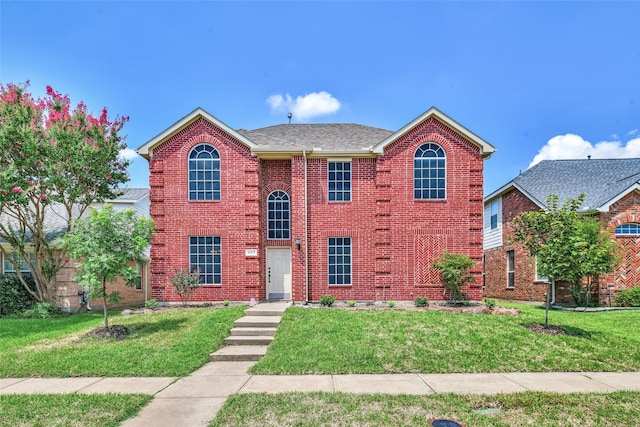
{"x":287,"y":285}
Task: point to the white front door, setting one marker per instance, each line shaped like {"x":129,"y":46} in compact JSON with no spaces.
{"x":278,"y":273}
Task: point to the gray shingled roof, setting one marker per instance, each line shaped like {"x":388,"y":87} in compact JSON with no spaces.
{"x":334,"y":137}
{"x":601,"y":180}
{"x":127,"y":194}
{"x":56,"y":215}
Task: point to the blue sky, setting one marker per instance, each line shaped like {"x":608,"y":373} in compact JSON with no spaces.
{"x":538,"y":80}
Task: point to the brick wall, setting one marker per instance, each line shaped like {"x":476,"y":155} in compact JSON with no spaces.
{"x":235,"y":217}
{"x":627,"y":275}
{"x":66,"y":290}
{"x":394,"y":237}
{"x":495,"y":280}
{"x":411,"y":234}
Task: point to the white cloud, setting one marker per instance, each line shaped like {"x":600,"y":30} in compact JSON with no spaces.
{"x":572,"y":146}
{"x":305,"y":107}
{"x":128,"y":154}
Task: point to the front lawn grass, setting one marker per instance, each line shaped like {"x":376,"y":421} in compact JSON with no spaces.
{"x":91,"y":410}
{"x":165,"y":343}
{"x":507,"y":410}
{"x":333,"y":341}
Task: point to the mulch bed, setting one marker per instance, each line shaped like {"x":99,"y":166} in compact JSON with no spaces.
{"x":116,"y":332}
{"x":548,"y":330}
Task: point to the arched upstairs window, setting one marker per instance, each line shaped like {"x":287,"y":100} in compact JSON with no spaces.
{"x":204,"y":173}
{"x":278,"y":222}
{"x":429,"y":172}
{"x":628,"y":229}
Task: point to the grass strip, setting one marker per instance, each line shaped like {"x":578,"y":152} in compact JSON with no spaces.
{"x":508,"y":410}
{"x":334,"y":341}
{"x":65,"y":410}
{"x":165,"y":343}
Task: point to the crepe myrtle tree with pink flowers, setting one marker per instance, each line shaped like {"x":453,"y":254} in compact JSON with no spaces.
{"x":55,"y":161}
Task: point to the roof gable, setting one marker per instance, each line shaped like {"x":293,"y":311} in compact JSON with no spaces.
{"x":486,"y":149}
{"x":146,"y":149}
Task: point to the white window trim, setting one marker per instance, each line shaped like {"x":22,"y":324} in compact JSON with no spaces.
{"x":350,"y":263}
{"x":446,"y":183}
{"x":350,"y":180}
{"x":511,"y":271}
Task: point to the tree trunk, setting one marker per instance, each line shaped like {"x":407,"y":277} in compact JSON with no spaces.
{"x":546,"y":311}
{"x":104,"y":304}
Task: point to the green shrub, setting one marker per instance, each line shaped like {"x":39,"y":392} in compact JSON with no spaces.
{"x":42,"y":310}
{"x":454,"y":272}
{"x":421,"y":302}
{"x":391,"y":304}
{"x":491,"y":304}
{"x":151,"y":304}
{"x":628,"y":297}
{"x":14,"y":298}
{"x":351,"y":303}
{"x":327,"y":300}
{"x":225,"y":303}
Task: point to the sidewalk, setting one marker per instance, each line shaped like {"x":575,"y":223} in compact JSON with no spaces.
{"x":195,"y":400}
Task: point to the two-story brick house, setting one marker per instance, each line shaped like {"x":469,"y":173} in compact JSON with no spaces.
{"x":295,"y":211}
{"x":612,"y":192}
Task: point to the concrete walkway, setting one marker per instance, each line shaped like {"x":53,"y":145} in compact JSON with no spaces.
{"x":196,"y":399}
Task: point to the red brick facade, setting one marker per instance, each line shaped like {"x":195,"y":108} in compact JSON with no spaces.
{"x":394,"y":238}
{"x":526,"y":288}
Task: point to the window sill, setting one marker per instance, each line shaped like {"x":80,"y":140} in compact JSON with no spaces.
{"x":430,"y":200}
{"x":341,"y":286}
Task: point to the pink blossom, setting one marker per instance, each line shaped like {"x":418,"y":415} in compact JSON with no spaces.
{"x":16,"y":190}
{"x":44,"y":197}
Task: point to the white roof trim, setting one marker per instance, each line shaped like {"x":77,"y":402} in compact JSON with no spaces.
{"x":509,"y":186}
{"x":146,"y":149}
{"x":486,"y":149}
{"x":606,"y":206}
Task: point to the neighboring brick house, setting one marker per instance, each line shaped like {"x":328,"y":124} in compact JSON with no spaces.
{"x":295,"y":211}
{"x":66,"y":289}
{"x":612,"y":191}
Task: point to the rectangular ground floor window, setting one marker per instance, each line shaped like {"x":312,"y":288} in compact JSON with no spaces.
{"x":339,"y":260}
{"x":511,"y":269}
{"x":7,"y":266}
{"x":205,"y":256}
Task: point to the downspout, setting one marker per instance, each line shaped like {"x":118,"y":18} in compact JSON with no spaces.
{"x":306,"y":231}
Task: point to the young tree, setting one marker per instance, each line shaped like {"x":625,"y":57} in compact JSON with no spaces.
{"x":600,"y":255}
{"x":106,"y":242}
{"x":551,"y":235}
{"x":184,"y":283}
{"x":454,"y":272}
{"x":55,"y":162}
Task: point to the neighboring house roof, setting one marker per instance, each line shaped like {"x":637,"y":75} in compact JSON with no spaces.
{"x":316,"y":140}
{"x":56,"y":215}
{"x":603,"y":181}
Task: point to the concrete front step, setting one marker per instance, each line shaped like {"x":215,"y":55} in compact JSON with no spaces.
{"x":267,"y":309}
{"x":239,"y":353}
{"x":257,"y":322}
{"x":248,"y":340}
{"x":247,"y":332}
